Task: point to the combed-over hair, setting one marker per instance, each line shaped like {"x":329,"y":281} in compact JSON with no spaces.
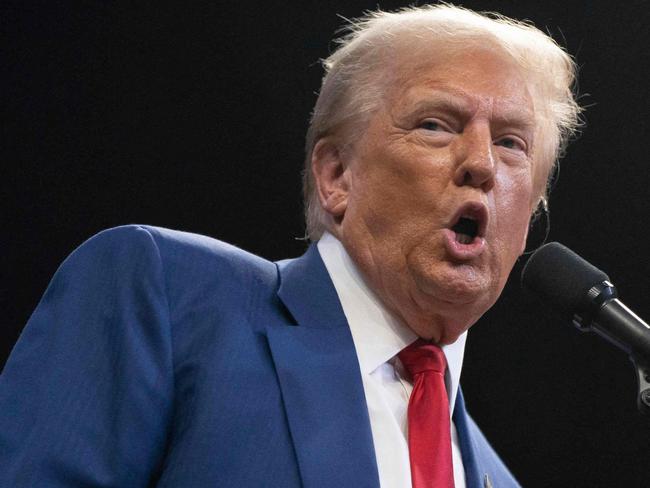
{"x":358,"y":76}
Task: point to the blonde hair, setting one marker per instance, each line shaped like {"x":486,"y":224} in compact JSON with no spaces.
{"x":354,"y":84}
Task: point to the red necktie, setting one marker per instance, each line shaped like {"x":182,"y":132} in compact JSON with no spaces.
{"x":428,"y":417}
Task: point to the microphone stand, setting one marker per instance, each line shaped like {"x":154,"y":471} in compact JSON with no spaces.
{"x":643,"y":382}
{"x":614,"y":322}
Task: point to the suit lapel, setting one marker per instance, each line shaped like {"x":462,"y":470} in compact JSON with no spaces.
{"x":474,"y":471}
{"x":321,"y":383}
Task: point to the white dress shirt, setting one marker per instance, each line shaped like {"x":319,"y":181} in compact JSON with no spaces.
{"x":378,"y":336}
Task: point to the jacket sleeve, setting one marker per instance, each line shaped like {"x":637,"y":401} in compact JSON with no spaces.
{"x":86,"y":394}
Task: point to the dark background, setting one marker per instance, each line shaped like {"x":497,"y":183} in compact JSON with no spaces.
{"x":193,"y":117}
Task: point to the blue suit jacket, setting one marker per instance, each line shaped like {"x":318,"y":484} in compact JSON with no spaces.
{"x":161,"y":358}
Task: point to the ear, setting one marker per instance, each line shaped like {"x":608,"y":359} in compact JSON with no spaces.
{"x":332,"y":177}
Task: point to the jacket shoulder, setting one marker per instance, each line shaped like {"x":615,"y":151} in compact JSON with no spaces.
{"x":97,"y":340}
{"x":175,"y":248}
{"x":191,"y":265}
{"x":186,"y":252}
{"x":199,"y":271}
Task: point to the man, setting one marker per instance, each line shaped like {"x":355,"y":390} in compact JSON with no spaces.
{"x":160,"y":358}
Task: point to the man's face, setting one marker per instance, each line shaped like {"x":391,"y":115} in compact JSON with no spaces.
{"x":440,"y":190}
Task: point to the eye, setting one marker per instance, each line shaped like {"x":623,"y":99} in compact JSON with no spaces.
{"x":431,"y":125}
{"x":514,"y":143}
{"x":435,"y":125}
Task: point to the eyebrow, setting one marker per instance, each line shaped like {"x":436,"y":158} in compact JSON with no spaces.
{"x":460,"y":103}
{"x":444,"y":102}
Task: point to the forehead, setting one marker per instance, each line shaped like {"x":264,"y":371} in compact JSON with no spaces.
{"x":469,"y":81}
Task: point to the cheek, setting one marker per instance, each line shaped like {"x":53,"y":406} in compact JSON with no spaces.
{"x":514,"y":212}
{"x":373,"y":201}
{"x":390,"y":190}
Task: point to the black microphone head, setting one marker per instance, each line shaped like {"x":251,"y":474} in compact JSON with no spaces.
{"x":561,"y":278}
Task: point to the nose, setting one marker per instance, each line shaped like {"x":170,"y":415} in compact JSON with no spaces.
{"x":476,"y":160}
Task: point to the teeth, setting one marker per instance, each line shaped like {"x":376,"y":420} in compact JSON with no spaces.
{"x":464,"y":238}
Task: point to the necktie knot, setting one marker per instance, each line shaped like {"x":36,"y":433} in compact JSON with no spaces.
{"x":423,"y":356}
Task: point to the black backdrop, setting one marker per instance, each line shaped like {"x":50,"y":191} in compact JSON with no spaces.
{"x":193,"y":117}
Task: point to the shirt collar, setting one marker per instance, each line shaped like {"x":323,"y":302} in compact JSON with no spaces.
{"x":377,"y":334}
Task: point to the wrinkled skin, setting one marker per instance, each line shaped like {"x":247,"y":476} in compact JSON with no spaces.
{"x":457,"y":129}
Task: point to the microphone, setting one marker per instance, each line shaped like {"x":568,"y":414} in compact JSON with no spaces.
{"x":584,"y":294}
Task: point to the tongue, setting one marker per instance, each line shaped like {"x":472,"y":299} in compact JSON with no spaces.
{"x":463,"y":238}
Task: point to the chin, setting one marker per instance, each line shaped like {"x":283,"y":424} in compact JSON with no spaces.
{"x":455,"y":285}
{"x":451,"y":306}
{"x":442,"y":330}
{"x":446,"y":340}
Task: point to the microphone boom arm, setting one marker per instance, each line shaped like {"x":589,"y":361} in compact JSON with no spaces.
{"x":608,"y":325}
{"x":617,"y":324}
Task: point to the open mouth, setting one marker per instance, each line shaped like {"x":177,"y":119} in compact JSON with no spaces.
{"x":466,"y":230}
{"x":470,"y":223}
